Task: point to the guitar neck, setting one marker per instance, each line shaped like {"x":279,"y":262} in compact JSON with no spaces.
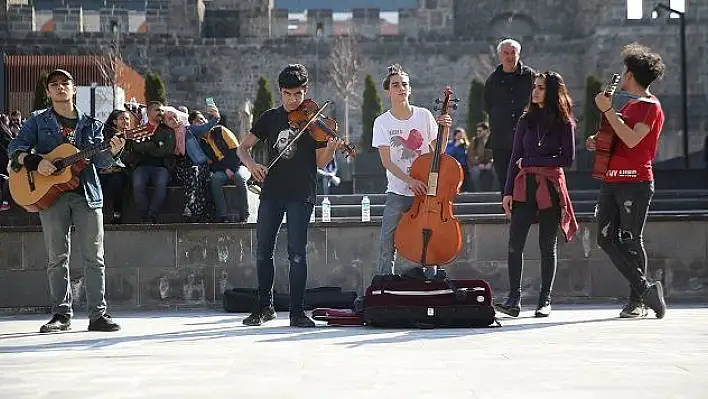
{"x":86,"y":153}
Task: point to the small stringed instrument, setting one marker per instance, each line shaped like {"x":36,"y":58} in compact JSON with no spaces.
{"x":34,"y":191}
{"x":428,"y":233}
{"x":605,"y":136}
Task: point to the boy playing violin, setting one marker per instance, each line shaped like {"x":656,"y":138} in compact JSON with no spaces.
{"x":288,"y":187}
{"x":401,"y":134}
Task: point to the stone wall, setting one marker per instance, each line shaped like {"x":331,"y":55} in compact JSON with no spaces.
{"x":191,"y":265}
{"x":228,"y":68}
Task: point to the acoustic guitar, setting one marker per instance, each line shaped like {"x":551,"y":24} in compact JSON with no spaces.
{"x":34,"y":191}
{"x":605,"y":136}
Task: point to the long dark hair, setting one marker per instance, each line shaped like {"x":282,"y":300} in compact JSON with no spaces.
{"x":110,"y":129}
{"x":557,"y":104}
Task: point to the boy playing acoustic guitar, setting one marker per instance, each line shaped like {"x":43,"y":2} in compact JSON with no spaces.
{"x":45,"y":131}
{"x":628,"y":185}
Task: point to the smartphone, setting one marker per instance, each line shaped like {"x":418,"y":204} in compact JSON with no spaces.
{"x":210,"y":102}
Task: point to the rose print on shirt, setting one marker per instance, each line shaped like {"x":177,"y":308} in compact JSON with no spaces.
{"x":410,"y":147}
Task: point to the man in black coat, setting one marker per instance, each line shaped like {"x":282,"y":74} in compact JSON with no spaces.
{"x":506,"y":93}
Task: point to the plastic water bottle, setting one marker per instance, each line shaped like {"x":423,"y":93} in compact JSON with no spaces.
{"x":326,"y":210}
{"x":365,"y":209}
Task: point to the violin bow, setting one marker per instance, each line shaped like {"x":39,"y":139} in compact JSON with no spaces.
{"x":304,"y":128}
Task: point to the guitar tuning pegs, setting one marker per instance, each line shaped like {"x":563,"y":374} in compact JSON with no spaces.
{"x":436,"y":108}
{"x":437,"y":101}
{"x":455,"y":100}
{"x":454,"y":106}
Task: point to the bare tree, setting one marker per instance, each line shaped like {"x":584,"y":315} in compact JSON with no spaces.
{"x":344,"y":72}
{"x":109,"y":62}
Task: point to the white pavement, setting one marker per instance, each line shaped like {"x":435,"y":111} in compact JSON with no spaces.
{"x":579,"y":352}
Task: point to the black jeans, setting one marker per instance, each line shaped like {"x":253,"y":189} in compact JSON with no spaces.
{"x":523,"y":215}
{"x":113,"y":185}
{"x":621,"y":213}
{"x":501,"y":165}
{"x":270,"y":216}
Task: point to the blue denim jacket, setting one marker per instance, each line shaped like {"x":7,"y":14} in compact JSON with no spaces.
{"x":42,"y":133}
{"x":192,"y":147}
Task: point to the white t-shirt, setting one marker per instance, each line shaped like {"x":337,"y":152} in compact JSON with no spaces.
{"x":407,"y":140}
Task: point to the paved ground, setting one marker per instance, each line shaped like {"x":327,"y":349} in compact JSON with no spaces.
{"x":579,"y":352}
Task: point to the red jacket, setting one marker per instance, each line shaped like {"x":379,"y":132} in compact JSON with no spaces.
{"x":568,"y":224}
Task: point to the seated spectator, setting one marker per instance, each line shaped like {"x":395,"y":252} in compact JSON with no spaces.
{"x":192,"y":176}
{"x":220,"y":146}
{"x":457,"y":148}
{"x":5,"y":137}
{"x":479,"y":160}
{"x":16,"y":122}
{"x":151,"y":161}
{"x":114,"y":179}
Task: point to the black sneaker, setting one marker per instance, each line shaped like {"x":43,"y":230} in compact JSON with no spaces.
{"x":654,"y":298}
{"x":59,"y":322}
{"x":301,"y":320}
{"x":633,"y":310}
{"x":260,"y":316}
{"x":104,"y":323}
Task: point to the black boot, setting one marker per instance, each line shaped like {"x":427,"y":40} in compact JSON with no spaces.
{"x":511,"y":307}
{"x":544,"y":306}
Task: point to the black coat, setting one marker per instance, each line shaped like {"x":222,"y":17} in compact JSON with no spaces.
{"x":505,"y":96}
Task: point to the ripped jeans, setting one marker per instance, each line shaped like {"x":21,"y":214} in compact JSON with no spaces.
{"x":621,"y":213}
{"x":270,"y":216}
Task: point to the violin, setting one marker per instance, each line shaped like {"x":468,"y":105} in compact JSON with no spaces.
{"x":321,"y":129}
{"x":428,"y":233}
{"x":307,"y":118}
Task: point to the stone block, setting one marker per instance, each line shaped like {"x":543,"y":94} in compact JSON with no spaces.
{"x":10,"y":251}
{"x":352,"y":257}
{"x":572,"y":279}
{"x":68,"y":21}
{"x":24,"y":288}
{"x":687,"y":280}
{"x":108,"y":16}
{"x":156,"y":249}
{"x":176,"y":287}
{"x":606,"y":281}
{"x":214,"y":248}
{"x":122,"y":287}
{"x":684,"y":241}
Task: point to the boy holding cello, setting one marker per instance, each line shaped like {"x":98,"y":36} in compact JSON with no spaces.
{"x":401,"y":134}
{"x":288,"y":187}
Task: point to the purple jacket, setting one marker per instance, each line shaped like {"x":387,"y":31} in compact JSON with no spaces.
{"x":540,"y":146}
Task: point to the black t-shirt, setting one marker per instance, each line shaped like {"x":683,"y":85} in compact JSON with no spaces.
{"x":293,"y":175}
{"x":68,"y":128}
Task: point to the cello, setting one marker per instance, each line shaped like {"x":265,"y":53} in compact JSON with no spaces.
{"x":428,"y":233}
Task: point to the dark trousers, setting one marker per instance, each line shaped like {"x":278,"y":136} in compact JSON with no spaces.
{"x":523,"y":215}
{"x":501,"y":165}
{"x":112,"y":185}
{"x":621,"y":213}
{"x":142,"y":176}
{"x":270,"y":216}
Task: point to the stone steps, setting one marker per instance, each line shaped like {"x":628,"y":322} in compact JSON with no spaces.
{"x":348,"y":207}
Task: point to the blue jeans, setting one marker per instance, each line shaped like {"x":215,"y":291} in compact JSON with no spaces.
{"x":396,"y":206}
{"x":217,"y":182}
{"x":270,"y":216}
{"x":142,"y":176}
{"x":71,"y":208}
